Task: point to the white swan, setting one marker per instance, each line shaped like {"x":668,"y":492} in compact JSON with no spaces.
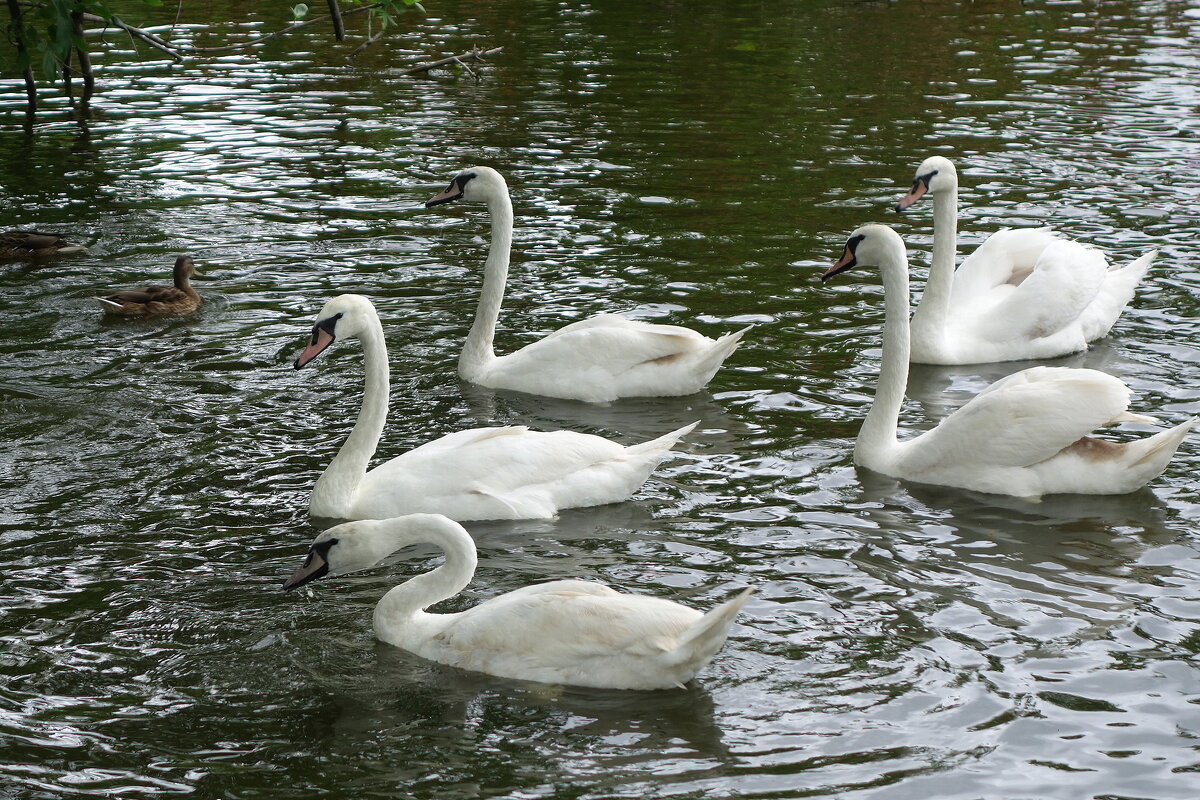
{"x":1022,"y":294}
{"x":596,"y":360}
{"x":573,"y":632}
{"x":1025,"y":435}
{"x":482,"y":473}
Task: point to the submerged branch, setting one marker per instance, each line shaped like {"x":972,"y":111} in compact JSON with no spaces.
{"x":475,"y":54}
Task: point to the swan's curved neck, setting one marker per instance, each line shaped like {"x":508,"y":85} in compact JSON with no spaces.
{"x":878,"y":432}
{"x":478,"y":350}
{"x":334,"y":491}
{"x":934,"y":308}
{"x":409,"y":600}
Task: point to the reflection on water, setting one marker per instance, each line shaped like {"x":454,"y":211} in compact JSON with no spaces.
{"x":697,"y":168}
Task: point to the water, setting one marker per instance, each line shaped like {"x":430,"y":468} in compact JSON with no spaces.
{"x":690,"y":163}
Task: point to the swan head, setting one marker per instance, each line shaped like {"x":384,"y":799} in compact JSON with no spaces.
{"x":936,"y":174}
{"x":870,"y":246}
{"x":475,"y":185}
{"x":344,"y":317}
{"x":359,"y":545}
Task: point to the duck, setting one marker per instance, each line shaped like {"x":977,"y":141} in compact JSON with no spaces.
{"x":157,"y":300}
{"x":32,"y":244}
{"x":574,"y":632}
{"x":508,"y":472}
{"x":597,"y":360}
{"x":1026,"y":435}
{"x":1022,"y":294}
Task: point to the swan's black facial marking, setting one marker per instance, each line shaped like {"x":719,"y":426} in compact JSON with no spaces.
{"x":848,"y":259}
{"x":322,"y":337}
{"x":920,"y":186}
{"x":327,"y":325}
{"x":316,"y":565}
{"x":454,"y":191}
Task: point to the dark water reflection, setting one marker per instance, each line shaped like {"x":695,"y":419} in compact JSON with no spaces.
{"x":690,"y":163}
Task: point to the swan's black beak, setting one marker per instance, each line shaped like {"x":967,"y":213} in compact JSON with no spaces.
{"x":322,"y":337}
{"x":316,"y":565}
{"x":919,"y":187}
{"x":847,"y":261}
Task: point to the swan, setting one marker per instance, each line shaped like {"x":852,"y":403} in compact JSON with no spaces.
{"x":1022,"y":294}
{"x":573,"y":632}
{"x":596,"y":360}
{"x":482,"y":473}
{"x":1026,"y":435}
{"x":154,"y":300}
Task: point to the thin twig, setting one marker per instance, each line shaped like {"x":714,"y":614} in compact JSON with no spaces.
{"x":474,"y":54}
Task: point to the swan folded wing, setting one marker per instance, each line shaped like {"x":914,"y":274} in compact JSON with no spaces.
{"x":1005,"y":258}
{"x":504,"y":463}
{"x":1064,"y":281}
{"x":1023,"y":419}
{"x":611,"y":343}
{"x":566,"y":623}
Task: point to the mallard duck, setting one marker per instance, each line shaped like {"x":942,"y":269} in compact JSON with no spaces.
{"x":153,"y":300}
{"x":29,"y":244}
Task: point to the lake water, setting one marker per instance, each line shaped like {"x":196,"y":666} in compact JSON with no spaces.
{"x":692,"y":163}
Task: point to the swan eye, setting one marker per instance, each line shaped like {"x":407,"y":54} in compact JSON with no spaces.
{"x":925,"y":179}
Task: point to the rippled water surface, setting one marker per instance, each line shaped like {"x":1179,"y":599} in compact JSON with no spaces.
{"x":694,"y":163}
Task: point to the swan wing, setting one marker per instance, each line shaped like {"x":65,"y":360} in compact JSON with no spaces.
{"x":1022,"y":419}
{"x":1064,"y":281}
{"x":1005,"y":258}
{"x":566,"y":624}
{"x":610,"y":342}
{"x":495,"y":462}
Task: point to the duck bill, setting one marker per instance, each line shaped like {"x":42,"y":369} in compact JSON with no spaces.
{"x":315,"y":566}
{"x":453,"y":192}
{"x":321,"y":339}
{"x":918,"y":190}
{"x":847,"y":261}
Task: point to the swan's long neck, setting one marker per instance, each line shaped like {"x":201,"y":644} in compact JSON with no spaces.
{"x":407,"y":602}
{"x":934,"y":308}
{"x":878,"y":433}
{"x":335,"y":489}
{"x":478,"y":351}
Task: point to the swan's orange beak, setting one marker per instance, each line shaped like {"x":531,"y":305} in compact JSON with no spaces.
{"x":847,"y":261}
{"x":321,"y":339}
{"x":315,"y":566}
{"x":844,"y":263}
{"x":918,"y":190}
{"x":453,"y":193}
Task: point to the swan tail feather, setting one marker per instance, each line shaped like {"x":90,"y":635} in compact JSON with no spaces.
{"x":662,"y":444}
{"x":1116,"y":292}
{"x":722,"y":348}
{"x":1155,"y":451}
{"x":706,"y":635}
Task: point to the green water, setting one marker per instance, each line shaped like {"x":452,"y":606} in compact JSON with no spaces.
{"x":691,"y":163}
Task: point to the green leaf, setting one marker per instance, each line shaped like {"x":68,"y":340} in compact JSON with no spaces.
{"x":299,"y":11}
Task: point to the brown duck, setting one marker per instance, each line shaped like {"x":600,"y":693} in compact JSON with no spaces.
{"x":153,"y":300}
{"x":30,"y":244}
